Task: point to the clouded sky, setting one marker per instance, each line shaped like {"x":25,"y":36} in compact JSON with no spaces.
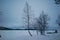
{"x":13,"y":11}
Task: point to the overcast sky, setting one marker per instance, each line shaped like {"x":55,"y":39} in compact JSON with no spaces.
{"x":13,"y":11}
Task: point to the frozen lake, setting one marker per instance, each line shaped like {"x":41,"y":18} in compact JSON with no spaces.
{"x":24,"y":35}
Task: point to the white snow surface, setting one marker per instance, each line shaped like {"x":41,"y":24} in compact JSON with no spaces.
{"x":24,"y":35}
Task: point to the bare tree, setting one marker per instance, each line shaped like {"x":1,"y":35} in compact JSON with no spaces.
{"x":42,"y":22}
{"x":57,"y":1}
{"x":58,"y":20}
{"x":27,"y":11}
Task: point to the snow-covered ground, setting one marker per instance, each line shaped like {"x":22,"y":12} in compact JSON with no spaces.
{"x":24,"y":35}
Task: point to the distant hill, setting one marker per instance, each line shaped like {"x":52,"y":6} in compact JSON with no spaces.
{"x":24,"y":28}
{"x":4,"y":28}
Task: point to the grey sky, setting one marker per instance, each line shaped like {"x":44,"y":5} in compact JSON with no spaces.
{"x":13,"y":10}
